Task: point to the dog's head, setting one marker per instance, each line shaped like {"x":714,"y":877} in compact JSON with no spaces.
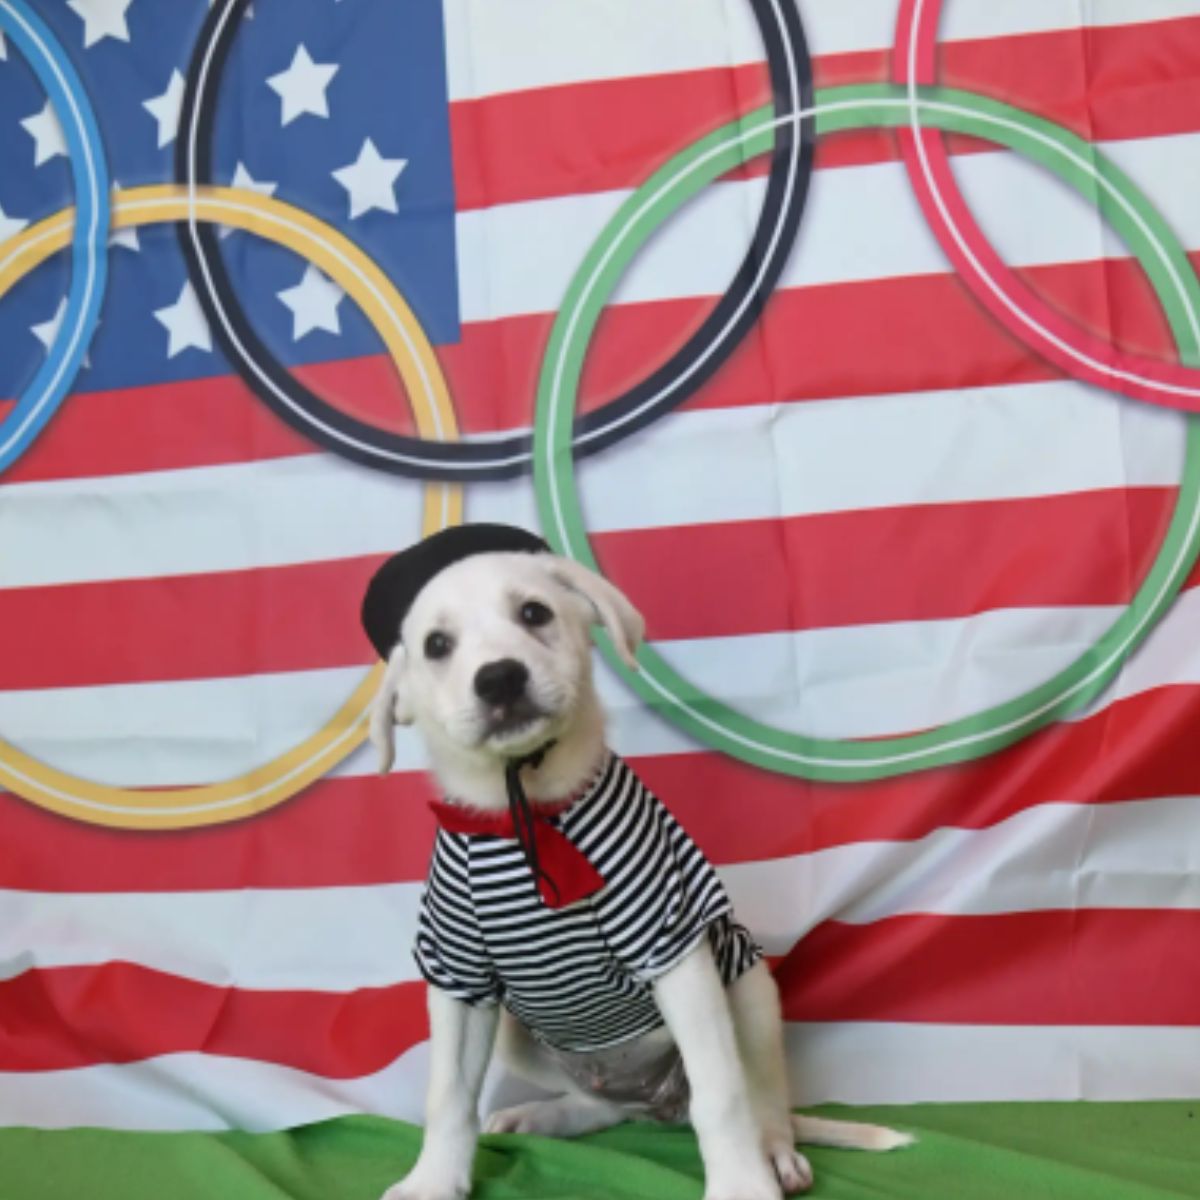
{"x":494,"y":656}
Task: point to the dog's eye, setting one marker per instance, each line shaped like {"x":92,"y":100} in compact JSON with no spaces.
{"x":535,"y":614}
{"x":437,"y":645}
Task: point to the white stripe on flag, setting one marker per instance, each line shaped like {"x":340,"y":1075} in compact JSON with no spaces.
{"x":858,"y":681}
{"x":861,"y":224}
{"x":1132,"y":855}
{"x":947,"y":447}
{"x":193,"y":1091}
{"x":861,"y":681}
{"x":852,"y":1062}
{"x":862,"y":1062}
{"x":321,"y":939}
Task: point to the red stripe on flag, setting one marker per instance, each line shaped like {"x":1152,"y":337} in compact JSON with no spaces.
{"x":1083,"y":967}
{"x":729,"y":579}
{"x":369,"y":830}
{"x":1088,"y":967}
{"x":805,"y":573}
{"x":181,"y":627}
{"x":589,"y":137}
{"x":1107,"y":83}
{"x":926,"y":334}
{"x":62,"y":1017}
{"x":1132,"y":750}
{"x":338,"y":832}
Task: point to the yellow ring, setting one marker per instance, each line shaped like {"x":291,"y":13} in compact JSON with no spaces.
{"x":273,"y":782}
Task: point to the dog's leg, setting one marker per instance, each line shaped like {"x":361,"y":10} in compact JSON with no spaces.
{"x":758,"y":1023}
{"x":754,"y":1003}
{"x":460,"y":1042}
{"x":567,"y":1115}
{"x":693,"y":1003}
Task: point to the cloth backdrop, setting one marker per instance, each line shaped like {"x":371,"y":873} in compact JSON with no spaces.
{"x":881,"y":396}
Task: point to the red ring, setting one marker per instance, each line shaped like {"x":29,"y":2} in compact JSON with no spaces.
{"x":1155,"y":378}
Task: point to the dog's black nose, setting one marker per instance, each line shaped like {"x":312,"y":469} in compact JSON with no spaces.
{"x":501,"y":682}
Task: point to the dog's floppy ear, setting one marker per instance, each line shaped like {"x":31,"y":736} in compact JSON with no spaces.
{"x":390,"y":708}
{"x":622,"y":621}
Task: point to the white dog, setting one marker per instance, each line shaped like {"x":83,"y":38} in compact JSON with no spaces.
{"x":638,"y":1013}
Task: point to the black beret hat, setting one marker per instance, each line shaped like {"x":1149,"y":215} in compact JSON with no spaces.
{"x":396,"y":584}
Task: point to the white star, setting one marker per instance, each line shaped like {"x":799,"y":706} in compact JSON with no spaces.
{"x":370,"y":180}
{"x":47,"y":135}
{"x":185,"y":323}
{"x":314,"y":302}
{"x":10,"y":225}
{"x":127,"y":237}
{"x":47,"y":331}
{"x":165,"y":109}
{"x":302,"y":86}
{"x":101,"y":19}
{"x":243,"y":179}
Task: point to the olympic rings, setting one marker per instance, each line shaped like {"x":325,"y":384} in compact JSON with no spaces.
{"x":554,"y":470}
{"x":504,"y":457}
{"x":89,"y":244}
{"x":274,"y":781}
{"x":1012,"y":303}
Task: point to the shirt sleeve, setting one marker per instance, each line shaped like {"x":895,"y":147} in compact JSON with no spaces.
{"x":449,"y":949}
{"x":664,"y":896}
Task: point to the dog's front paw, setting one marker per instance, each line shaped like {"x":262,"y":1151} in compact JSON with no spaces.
{"x":425,"y":1184}
{"x":746,"y":1190}
{"x":757,"y":1184}
{"x":791,"y":1168}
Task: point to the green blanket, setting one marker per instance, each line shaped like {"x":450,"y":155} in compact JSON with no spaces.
{"x":968,"y":1152}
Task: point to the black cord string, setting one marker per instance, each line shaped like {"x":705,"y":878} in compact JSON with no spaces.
{"x":522,"y":813}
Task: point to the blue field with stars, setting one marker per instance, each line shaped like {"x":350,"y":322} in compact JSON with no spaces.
{"x":338,"y":108}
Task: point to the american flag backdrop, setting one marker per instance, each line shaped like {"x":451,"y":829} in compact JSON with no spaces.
{"x":873,"y":516}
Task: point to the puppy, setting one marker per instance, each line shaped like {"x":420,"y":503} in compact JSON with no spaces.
{"x":567,"y":918}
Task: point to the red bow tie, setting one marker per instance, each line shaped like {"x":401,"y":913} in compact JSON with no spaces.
{"x":566,"y":875}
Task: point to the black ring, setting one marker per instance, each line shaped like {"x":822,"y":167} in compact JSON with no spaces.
{"x":508,"y":455}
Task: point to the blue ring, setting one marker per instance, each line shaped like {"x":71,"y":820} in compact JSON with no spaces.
{"x":89,"y":239}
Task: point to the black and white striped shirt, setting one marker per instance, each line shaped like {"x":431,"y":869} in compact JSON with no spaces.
{"x":580,"y":977}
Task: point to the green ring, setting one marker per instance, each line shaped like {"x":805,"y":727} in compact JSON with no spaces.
{"x":709,"y":720}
